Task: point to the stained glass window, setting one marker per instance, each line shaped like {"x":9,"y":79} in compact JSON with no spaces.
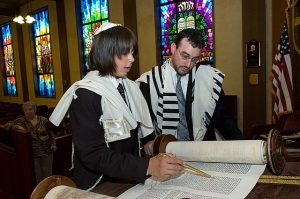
{"x":9,"y":75}
{"x":9,"y":72}
{"x":176,"y":15}
{"x":44,"y":78}
{"x":93,"y":14}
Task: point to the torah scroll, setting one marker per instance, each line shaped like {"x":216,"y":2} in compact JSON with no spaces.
{"x":242,"y":151}
{"x":63,"y":191}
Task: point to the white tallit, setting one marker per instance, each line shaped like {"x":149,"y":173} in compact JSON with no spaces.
{"x":113,"y":105}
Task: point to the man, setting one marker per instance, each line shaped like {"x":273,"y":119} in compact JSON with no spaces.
{"x":201,"y":109}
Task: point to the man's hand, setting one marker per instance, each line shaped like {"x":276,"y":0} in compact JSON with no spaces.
{"x":165,"y":167}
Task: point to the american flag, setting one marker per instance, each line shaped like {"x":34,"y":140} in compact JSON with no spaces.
{"x":282,"y":87}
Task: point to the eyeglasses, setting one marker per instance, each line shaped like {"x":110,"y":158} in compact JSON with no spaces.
{"x":185,"y":56}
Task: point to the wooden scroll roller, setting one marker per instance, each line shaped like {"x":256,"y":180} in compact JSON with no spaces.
{"x":272,"y":152}
{"x":58,"y":186}
{"x":49,"y":183}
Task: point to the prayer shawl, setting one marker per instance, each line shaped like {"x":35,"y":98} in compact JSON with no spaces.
{"x":206,"y":85}
{"x":113,"y":105}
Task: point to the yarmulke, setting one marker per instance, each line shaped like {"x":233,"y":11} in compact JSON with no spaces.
{"x":104,"y":27}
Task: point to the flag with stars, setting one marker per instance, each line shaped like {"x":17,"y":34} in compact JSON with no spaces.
{"x":282,"y":85}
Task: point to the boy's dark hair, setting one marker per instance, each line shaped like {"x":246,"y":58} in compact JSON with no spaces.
{"x":116,"y":41}
{"x":194,"y":37}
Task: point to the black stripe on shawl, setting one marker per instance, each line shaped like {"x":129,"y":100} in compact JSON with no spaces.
{"x":215,"y":91}
{"x":218,"y":82}
{"x":159,"y":114}
{"x":188,"y":104}
{"x":160,"y":76}
{"x":221,"y":75}
{"x":148,"y":100}
{"x":208,"y":119}
{"x":170,"y":94}
{"x":169,"y":127}
{"x":155,"y":83}
{"x":171,"y":111}
{"x":170,"y":102}
{"x":160,"y":105}
{"x":171,"y":119}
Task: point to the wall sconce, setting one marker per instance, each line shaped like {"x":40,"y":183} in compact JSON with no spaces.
{"x":28,"y":19}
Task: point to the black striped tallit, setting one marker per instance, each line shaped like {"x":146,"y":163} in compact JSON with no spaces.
{"x":167,"y":114}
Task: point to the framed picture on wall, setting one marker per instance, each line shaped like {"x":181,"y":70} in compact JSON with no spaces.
{"x":253,"y":53}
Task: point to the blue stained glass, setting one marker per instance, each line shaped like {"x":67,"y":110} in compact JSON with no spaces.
{"x":41,"y":24}
{"x":46,"y":85}
{"x":85,"y":11}
{"x":104,"y":9}
{"x":9,"y":78}
{"x":93,"y":14}
{"x":93,"y":10}
{"x":6,"y":34}
{"x":165,"y":1}
{"x":11,"y":86}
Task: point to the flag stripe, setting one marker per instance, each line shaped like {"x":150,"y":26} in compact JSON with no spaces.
{"x":282,"y":85}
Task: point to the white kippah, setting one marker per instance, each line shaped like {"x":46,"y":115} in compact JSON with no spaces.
{"x":104,"y":27}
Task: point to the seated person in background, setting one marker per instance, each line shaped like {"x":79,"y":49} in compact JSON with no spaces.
{"x":185,"y":98}
{"x":42,"y":139}
{"x":109,"y":115}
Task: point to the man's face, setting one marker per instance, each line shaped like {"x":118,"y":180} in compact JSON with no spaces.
{"x":184,"y":56}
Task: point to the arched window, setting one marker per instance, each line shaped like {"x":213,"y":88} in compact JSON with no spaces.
{"x":176,"y":15}
{"x":44,"y":78}
{"x":9,"y":72}
{"x":93,"y":14}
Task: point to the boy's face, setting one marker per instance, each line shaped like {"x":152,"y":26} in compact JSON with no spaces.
{"x":123,"y":64}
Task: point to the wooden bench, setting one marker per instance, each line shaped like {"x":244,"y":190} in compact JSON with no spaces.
{"x":16,"y":168}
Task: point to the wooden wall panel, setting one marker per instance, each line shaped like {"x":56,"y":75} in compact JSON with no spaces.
{"x":254,"y":100}
{"x":130,"y":21}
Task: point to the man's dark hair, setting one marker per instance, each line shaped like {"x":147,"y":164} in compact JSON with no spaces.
{"x":194,"y":37}
{"x":116,"y":41}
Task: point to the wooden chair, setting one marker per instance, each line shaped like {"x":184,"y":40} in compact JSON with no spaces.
{"x":289,"y":127}
{"x":16,"y":168}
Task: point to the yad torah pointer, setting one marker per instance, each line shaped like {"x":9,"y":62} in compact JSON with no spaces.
{"x":189,"y":167}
